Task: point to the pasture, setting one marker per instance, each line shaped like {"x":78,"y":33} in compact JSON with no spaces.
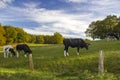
{"x":50,"y":63}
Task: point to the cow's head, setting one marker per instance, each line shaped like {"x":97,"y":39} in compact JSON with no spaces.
{"x":29,"y":51}
{"x":12,"y":51}
{"x":86,"y":45}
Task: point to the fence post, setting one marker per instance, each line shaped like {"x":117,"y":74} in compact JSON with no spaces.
{"x":31,"y":62}
{"x":101,"y":62}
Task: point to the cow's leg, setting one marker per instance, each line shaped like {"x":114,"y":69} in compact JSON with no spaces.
{"x":25,"y":55}
{"x":5,"y":54}
{"x":17,"y":53}
{"x":66,"y":51}
{"x":67,"y":54}
{"x":78,"y":50}
{"x":10,"y":54}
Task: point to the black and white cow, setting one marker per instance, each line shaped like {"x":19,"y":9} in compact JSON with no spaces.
{"x":23,"y":47}
{"x":8,"y":50}
{"x":112,"y":36}
{"x":77,"y":42}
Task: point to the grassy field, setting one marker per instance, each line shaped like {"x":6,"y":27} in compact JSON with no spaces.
{"x":50,"y":63}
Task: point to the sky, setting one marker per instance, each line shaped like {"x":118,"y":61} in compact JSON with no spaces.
{"x":70,"y":18}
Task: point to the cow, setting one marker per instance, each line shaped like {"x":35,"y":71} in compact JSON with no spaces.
{"x":112,"y":36}
{"x":23,"y":47}
{"x":74,"y":43}
{"x":8,"y":50}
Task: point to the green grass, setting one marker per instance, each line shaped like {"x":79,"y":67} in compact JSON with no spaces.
{"x":50,"y":63}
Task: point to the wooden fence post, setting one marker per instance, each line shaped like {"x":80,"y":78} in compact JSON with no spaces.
{"x":101,"y":62}
{"x":31,"y":62}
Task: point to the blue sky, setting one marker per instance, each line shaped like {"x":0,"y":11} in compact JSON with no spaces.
{"x":69,"y":17}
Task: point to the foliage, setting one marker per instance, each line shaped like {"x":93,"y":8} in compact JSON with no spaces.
{"x":99,"y":28}
{"x":21,"y":35}
{"x":2,"y":35}
{"x":39,"y":39}
{"x":11,"y":34}
{"x":58,"y":38}
{"x":32,"y":38}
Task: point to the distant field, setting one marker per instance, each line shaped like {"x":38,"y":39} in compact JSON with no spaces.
{"x":50,"y":63}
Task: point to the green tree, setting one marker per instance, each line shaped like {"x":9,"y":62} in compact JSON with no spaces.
{"x":110,"y":22}
{"x":41,"y":39}
{"x":117,"y":27}
{"x":99,"y":29}
{"x":2,"y":35}
{"x":48,"y":39}
{"x":91,"y":30}
{"x":22,"y":36}
{"x":58,"y":38}
{"x":10,"y":35}
{"x":37,"y":39}
{"x":32,"y":38}
{"x":27,"y":38}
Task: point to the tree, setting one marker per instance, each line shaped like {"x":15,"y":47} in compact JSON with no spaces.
{"x":32,"y":38}
{"x":58,"y":38}
{"x":10,"y":35}
{"x":117,"y":27}
{"x":2,"y":35}
{"x":22,"y":36}
{"x":92,"y":30}
{"x":41,"y":39}
{"x":99,"y":28}
{"x":110,"y":22}
{"x":27,"y":38}
{"x":48,"y":39}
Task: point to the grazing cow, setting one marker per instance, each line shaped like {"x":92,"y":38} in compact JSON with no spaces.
{"x":112,"y":36}
{"x":77,"y":42}
{"x":23,"y":47}
{"x":8,"y":49}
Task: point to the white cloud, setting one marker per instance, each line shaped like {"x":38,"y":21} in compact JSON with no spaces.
{"x":68,"y":24}
{"x":31,"y":5}
{"x":58,"y":21}
{"x":76,"y":1}
{"x":4,"y":3}
{"x":51,"y":21}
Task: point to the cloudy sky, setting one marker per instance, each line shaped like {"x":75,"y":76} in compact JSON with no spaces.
{"x":68,"y":17}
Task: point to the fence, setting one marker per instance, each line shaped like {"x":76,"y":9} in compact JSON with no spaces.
{"x":101,"y":62}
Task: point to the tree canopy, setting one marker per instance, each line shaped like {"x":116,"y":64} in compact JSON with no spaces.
{"x":10,"y":34}
{"x":2,"y":35}
{"x":99,"y":28}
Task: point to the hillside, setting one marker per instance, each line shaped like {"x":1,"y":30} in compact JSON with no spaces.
{"x":50,"y":64}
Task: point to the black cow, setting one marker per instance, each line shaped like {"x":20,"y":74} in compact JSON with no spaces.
{"x":23,"y":47}
{"x":112,"y":36}
{"x":77,"y":42}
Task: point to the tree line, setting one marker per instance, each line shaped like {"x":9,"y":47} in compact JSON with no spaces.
{"x":11,"y":34}
{"x":99,"y":28}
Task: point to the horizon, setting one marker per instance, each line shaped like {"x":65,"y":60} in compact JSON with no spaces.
{"x":70,"y":18}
